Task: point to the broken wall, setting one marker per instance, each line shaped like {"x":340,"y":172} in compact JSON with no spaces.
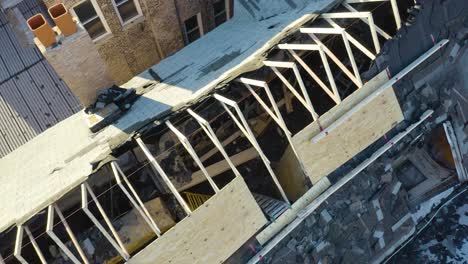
{"x":291,"y":175}
{"x":212,"y":232}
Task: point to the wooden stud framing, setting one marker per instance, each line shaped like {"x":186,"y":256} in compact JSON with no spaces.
{"x":138,"y":204}
{"x":55,"y":238}
{"x":35,"y":245}
{"x":70,"y":234}
{"x":268,"y":110}
{"x":292,"y":47}
{"x":305,"y":99}
{"x":244,"y":127}
{"x":183,"y":139}
{"x":365,"y":16}
{"x":247,"y":82}
{"x":351,"y":39}
{"x":205,"y":125}
{"x":276,"y":115}
{"x":326,"y":65}
{"x":363,"y":19}
{"x":19,"y":245}
{"x":334,"y":59}
{"x":396,"y":13}
{"x":342,"y":32}
{"x":115,"y":241}
{"x":163,"y":175}
{"x":380,"y":90}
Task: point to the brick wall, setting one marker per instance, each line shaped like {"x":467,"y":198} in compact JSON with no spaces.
{"x":132,"y":48}
{"x":84,"y":72}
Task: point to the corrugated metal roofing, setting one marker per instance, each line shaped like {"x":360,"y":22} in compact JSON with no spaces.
{"x":32,"y":95}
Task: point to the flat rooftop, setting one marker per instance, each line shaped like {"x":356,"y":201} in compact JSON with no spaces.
{"x":44,"y":169}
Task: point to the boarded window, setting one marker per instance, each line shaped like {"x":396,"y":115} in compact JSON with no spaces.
{"x":90,"y":20}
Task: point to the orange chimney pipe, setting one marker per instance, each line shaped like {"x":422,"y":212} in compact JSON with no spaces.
{"x":42,"y":30}
{"x":62,"y":19}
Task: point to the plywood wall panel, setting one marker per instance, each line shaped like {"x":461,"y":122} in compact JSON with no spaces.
{"x":355,"y":134}
{"x":212,"y":233}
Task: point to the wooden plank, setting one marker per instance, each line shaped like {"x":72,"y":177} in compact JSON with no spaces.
{"x":217,"y":168}
{"x":427,"y":166}
{"x":225,"y":142}
{"x":291,"y":175}
{"x":212,"y":232}
{"x":352,"y":136}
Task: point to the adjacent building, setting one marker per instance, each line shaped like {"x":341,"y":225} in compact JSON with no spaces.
{"x":132,"y":35}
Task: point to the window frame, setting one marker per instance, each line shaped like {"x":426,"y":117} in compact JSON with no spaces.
{"x":199,"y":27}
{"x":227,"y":11}
{"x":137,"y":6}
{"x":98,"y":15}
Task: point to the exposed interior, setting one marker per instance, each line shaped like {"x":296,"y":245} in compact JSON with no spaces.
{"x":182,"y":169}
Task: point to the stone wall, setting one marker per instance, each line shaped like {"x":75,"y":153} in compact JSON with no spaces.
{"x":132,"y":48}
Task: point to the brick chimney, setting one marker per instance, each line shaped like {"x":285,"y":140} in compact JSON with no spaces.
{"x":76,"y":60}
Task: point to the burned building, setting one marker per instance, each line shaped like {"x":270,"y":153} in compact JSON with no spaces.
{"x":298,"y":129}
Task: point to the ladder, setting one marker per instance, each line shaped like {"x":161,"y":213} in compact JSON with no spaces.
{"x":271,"y":207}
{"x":194,"y":200}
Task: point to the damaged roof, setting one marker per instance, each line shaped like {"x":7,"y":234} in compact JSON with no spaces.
{"x":58,"y":160}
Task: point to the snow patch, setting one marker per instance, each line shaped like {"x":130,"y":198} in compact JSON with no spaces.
{"x":461,"y":255}
{"x":463,"y":213}
{"x":431,"y":257}
{"x":426,"y":207}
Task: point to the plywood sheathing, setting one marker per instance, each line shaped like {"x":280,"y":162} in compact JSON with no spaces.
{"x":353,"y":135}
{"x":218,"y":168}
{"x":212,"y":233}
{"x":291,"y":175}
